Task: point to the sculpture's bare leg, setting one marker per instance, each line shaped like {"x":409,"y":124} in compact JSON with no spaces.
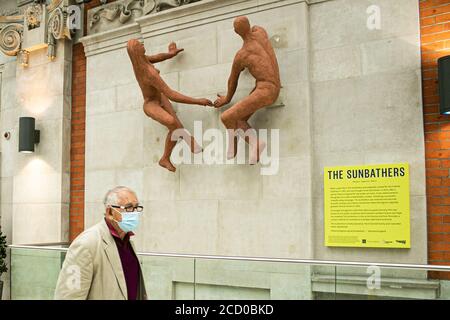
{"x":194,"y":146}
{"x":233,"y":138}
{"x":154,"y":110}
{"x":165,"y":159}
{"x":232,"y":144}
{"x":256,"y":146}
{"x":238,"y":115}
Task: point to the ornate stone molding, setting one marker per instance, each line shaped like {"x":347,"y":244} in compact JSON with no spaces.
{"x":204,"y":11}
{"x":23,"y":2}
{"x":11,"y":39}
{"x":39,"y":27}
{"x":11,"y":31}
{"x":53,"y":5}
{"x":123,"y":12}
{"x":33,"y":16}
{"x":12,"y":12}
{"x":10,"y":19}
{"x":57,"y":29}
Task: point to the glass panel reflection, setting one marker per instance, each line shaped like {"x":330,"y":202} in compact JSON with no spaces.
{"x":34,"y":272}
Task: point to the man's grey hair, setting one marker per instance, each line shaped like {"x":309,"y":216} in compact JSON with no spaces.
{"x":111,"y":197}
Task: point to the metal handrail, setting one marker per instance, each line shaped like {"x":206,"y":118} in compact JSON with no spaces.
{"x":48,"y":244}
{"x":262,"y":259}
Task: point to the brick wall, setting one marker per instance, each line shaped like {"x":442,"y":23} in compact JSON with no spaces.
{"x":78,"y":127}
{"x":77,"y":149}
{"x":435,"y":39}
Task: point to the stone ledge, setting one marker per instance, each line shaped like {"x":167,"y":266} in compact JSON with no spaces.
{"x":110,"y":40}
{"x":390,"y":287}
{"x":187,"y":16}
{"x":203,"y":12}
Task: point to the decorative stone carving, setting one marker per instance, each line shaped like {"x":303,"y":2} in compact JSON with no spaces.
{"x":11,"y":31}
{"x":10,"y":19}
{"x":33,"y":16}
{"x":23,"y":2}
{"x":123,"y":11}
{"x":23,"y":58}
{"x":11,"y":39}
{"x":12,"y":12}
{"x":34,"y":32}
{"x":31,"y":31}
{"x":57,"y":29}
{"x":53,"y":5}
{"x":57,"y":24}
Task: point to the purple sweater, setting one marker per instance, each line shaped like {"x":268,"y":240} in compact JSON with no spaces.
{"x":129,"y":260}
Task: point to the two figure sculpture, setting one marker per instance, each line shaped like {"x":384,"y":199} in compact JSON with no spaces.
{"x":256,"y":55}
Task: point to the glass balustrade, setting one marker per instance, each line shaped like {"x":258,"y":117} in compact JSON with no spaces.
{"x":35,"y":269}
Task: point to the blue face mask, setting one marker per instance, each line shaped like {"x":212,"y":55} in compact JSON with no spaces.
{"x":130,"y":221}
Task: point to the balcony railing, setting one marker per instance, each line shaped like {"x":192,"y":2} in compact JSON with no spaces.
{"x":34,"y":270}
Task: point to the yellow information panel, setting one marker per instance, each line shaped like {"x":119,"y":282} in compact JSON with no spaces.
{"x":367,"y":206}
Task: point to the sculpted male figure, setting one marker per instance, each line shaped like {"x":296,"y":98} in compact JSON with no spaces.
{"x":157,"y":94}
{"x":258,"y":56}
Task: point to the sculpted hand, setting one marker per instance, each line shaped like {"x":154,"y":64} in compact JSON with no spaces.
{"x":220,"y":101}
{"x":173,"y":50}
{"x":205,"y":102}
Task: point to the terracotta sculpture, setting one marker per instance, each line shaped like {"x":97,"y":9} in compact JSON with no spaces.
{"x":157,"y":94}
{"x":258,"y":56}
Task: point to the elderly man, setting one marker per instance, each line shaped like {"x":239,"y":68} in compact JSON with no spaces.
{"x":101,"y":263}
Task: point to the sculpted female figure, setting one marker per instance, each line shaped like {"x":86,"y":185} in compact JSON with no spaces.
{"x":157,"y":95}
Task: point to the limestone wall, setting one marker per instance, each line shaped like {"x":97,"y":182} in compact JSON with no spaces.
{"x":35,"y":192}
{"x":351,"y":96}
{"x":366,"y":92}
{"x":213,"y":209}
{"x":35,"y":187}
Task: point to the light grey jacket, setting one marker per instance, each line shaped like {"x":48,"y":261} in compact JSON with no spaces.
{"x":92,"y":269}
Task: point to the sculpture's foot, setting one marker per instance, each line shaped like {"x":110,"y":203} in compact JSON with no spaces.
{"x":232,"y":152}
{"x":195,"y":147}
{"x":165,"y":163}
{"x":231,"y":155}
{"x":256,"y":151}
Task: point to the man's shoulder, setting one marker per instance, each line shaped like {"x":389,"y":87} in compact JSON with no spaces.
{"x":89,"y":237}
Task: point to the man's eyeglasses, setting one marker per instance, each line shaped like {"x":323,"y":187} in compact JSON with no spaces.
{"x":130,"y":208}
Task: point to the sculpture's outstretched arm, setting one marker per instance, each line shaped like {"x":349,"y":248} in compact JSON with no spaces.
{"x":232,"y":84}
{"x":234,"y":79}
{"x":181,"y":98}
{"x":173,"y":95}
{"x":159,"y":57}
{"x":173,"y":51}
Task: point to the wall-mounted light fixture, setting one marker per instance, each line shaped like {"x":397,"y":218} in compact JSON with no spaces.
{"x":444,"y":84}
{"x":28,"y":135}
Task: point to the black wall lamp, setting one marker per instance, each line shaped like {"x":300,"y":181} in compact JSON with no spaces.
{"x":444,"y":84}
{"x":28,"y":135}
